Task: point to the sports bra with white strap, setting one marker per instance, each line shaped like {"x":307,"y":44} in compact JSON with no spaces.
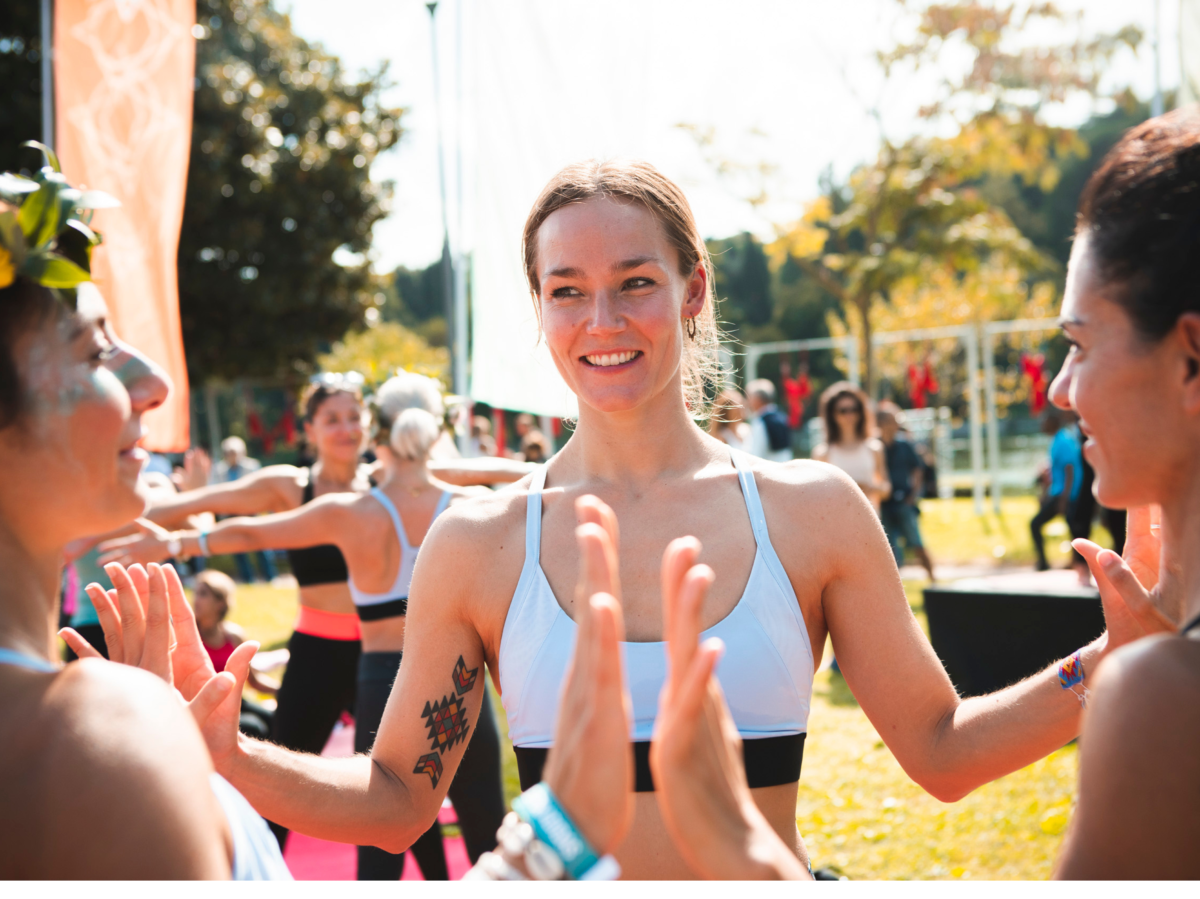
{"x":394,"y":602}
{"x":766,"y":671}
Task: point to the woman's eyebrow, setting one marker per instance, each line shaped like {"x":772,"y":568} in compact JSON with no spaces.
{"x":1068,"y":321}
{"x":635,"y":262}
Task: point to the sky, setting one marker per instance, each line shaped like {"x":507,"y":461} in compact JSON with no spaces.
{"x":789,"y":83}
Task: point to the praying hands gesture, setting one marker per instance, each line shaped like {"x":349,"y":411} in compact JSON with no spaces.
{"x":148,"y":624}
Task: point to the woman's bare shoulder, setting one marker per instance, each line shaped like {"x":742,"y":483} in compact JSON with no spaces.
{"x":478,"y":519}
{"x":1154,"y":682}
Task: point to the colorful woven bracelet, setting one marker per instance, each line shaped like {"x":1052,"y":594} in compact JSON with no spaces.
{"x":1071,"y":674}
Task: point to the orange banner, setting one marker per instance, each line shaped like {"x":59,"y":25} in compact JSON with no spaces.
{"x":123,"y":73}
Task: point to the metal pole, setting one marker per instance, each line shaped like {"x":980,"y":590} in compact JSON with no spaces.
{"x":461,"y":387}
{"x":971,"y":338}
{"x":993,"y":420}
{"x":447,"y":260}
{"x":850,"y":345}
{"x":1156,"y":104}
{"x":48,"y":73}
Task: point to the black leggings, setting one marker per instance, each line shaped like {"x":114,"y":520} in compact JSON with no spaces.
{"x":476,"y":790}
{"x":1047,"y":512}
{"x":317,"y":687}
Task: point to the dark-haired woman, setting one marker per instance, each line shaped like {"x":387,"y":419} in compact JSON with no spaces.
{"x":380,"y":535}
{"x":103,"y":772}
{"x":319,"y":682}
{"x":1131,"y":313}
{"x":850,"y":442}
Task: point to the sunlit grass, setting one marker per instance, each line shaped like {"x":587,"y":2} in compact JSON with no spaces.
{"x":858,"y":810}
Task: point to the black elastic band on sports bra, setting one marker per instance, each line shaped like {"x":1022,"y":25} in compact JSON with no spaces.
{"x":393,"y":608}
{"x":1191,"y":625}
{"x":769,"y":762}
{"x":323,"y":564}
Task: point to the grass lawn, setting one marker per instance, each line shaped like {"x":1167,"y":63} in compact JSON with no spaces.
{"x":856,"y":808}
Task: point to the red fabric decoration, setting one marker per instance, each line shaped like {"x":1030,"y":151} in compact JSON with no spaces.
{"x":797,"y":390}
{"x":285,"y":428}
{"x":1033,"y":367}
{"x":921,"y":382}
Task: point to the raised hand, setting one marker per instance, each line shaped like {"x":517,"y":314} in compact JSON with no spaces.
{"x":590,"y":767}
{"x":148,"y":623}
{"x":149,"y":545}
{"x":1137,"y":602}
{"x":696,"y":755}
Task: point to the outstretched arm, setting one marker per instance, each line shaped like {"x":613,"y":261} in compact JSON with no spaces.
{"x":327,"y":519}
{"x":265,"y":490}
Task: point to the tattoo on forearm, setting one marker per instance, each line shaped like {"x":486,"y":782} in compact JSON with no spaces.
{"x":447,"y":721}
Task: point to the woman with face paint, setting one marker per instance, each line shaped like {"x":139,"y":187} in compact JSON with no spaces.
{"x":103,"y":772}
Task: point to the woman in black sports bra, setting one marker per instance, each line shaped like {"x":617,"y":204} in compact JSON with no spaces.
{"x":319,"y":683}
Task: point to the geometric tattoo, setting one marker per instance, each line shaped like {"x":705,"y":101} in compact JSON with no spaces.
{"x":447,"y":721}
{"x":464,"y":678}
{"x":431,"y":765}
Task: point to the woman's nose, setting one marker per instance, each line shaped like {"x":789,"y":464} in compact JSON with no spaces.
{"x":146,"y":383}
{"x":1060,"y":388}
{"x":604,"y":315}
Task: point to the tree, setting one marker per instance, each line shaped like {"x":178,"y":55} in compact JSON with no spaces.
{"x":378,"y":351}
{"x":280,"y":204}
{"x":920,"y":203}
{"x":21,"y":75}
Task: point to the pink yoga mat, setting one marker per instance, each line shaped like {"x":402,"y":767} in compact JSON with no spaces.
{"x":311,"y":859}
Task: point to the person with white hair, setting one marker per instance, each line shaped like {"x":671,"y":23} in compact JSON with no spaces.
{"x":770,"y":434}
{"x":379,"y":534}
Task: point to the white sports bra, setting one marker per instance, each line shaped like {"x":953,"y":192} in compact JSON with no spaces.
{"x":393,"y":603}
{"x":766,"y":671}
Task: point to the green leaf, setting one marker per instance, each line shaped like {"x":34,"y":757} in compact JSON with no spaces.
{"x":92,"y":237}
{"x":39,"y":215}
{"x":16,"y":185}
{"x":97,"y":199}
{"x":52,"y":270}
{"x":51,"y":158}
{"x":11,"y":237}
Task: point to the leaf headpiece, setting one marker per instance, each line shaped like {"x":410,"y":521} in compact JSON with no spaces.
{"x":44,"y":227}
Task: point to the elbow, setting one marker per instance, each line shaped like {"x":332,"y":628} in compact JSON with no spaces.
{"x":941,"y":785}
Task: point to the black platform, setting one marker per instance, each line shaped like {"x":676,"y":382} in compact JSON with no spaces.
{"x":993,"y":631}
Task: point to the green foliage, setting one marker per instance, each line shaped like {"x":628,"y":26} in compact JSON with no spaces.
{"x":417,"y":300}
{"x":21,"y":75}
{"x":377,"y":352}
{"x":279,"y":179}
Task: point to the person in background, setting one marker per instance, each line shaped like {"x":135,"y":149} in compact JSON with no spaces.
{"x":1086,"y":508}
{"x":850,"y":443}
{"x":522,"y":425}
{"x":770,"y":434}
{"x":1065,"y":476}
{"x":213,"y":599}
{"x":482,"y":442}
{"x":900,"y":511}
{"x":727,"y":421}
{"x":535,"y":447}
{"x":233,"y":465}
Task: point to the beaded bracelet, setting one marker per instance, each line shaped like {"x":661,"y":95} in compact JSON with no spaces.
{"x":1070,"y":675}
{"x":202,"y":540}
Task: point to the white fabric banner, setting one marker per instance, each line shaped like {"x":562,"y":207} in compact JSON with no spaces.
{"x":1189,"y":51}
{"x":533,"y":106}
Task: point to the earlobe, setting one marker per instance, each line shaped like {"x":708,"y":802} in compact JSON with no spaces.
{"x":1188,"y":327}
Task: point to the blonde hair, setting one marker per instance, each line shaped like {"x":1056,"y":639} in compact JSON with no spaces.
{"x":413,"y":433}
{"x":220,"y":585}
{"x":407,"y":390}
{"x":640,"y":182}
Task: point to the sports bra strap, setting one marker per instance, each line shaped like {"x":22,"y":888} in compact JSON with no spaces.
{"x":533,"y":517}
{"x":307,"y":496}
{"x":441,"y":506}
{"x":391,"y":510}
{"x":758,"y":520}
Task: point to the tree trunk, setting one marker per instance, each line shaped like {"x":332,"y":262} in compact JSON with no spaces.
{"x":863,"y":304}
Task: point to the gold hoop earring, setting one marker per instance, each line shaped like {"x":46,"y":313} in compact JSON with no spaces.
{"x":690,"y":327}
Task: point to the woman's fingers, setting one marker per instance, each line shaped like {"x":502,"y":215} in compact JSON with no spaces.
{"x":692,"y":688}
{"x":156,"y":657}
{"x":129,"y":607}
{"x":104,"y":602}
{"x":210,"y":697}
{"x":1117,"y":583}
{"x":597,"y":572}
{"x":590,"y":510}
{"x":79,"y":646}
